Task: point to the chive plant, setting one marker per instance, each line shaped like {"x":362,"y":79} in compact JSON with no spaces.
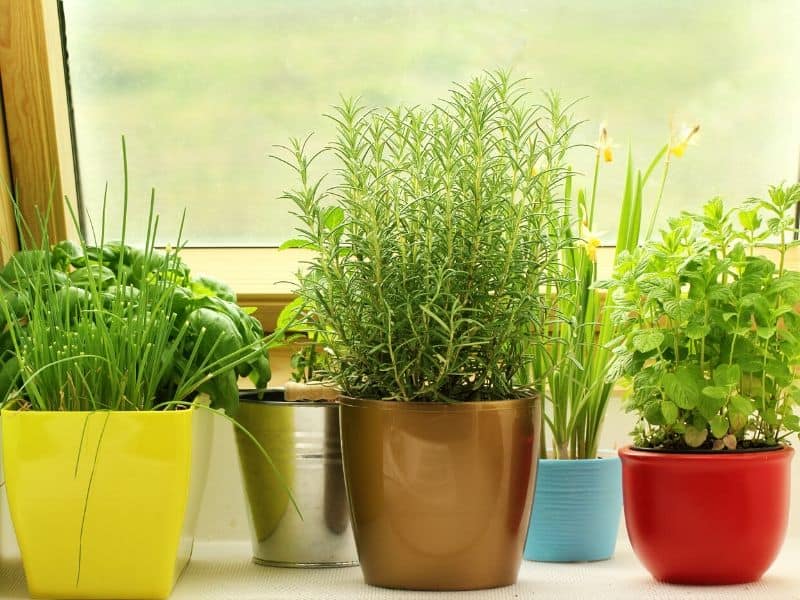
{"x":88,"y":339}
{"x":435,"y":241}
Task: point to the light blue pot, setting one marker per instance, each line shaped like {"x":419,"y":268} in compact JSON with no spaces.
{"x":576,"y":510}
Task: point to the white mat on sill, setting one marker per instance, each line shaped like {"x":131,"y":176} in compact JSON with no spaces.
{"x":223,"y":571}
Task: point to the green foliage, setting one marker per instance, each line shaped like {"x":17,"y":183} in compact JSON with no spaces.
{"x":574,"y":370}
{"x":721,"y":371}
{"x":109,"y":326}
{"x":434,"y":242}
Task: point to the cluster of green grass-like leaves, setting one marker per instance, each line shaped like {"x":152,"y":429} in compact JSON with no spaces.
{"x":712,"y":342}
{"x":109,"y":326}
{"x":572,"y":369}
{"x":434,"y":243}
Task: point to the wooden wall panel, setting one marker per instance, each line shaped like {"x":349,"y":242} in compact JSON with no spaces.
{"x":8,"y":229}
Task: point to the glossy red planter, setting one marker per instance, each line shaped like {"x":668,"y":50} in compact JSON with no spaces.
{"x":706,"y":518}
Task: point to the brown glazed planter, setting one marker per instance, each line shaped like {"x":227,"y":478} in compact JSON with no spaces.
{"x":440,"y":494}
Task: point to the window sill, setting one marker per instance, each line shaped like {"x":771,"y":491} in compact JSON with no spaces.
{"x":224,"y":570}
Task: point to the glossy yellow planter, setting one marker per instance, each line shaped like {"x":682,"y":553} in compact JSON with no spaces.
{"x":104,"y":504}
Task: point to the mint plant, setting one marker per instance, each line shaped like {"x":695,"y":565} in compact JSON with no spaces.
{"x":711,"y":321}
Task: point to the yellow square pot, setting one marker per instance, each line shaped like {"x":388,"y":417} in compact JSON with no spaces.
{"x":104,"y":504}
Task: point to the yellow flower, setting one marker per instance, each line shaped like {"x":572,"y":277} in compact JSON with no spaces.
{"x":539,"y":166}
{"x":679,"y":142}
{"x":589,"y":241}
{"x":605,"y":146}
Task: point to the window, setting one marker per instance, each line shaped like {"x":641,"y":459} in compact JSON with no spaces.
{"x":203,"y":90}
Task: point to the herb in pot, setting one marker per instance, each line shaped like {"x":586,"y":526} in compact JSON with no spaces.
{"x":105,"y":325}
{"x":433,"y":249}
{"x":711,"y":322}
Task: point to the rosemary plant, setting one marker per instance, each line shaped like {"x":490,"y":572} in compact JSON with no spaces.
{"x":434,"y":245}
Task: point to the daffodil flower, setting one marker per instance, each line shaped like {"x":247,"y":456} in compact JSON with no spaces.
{"x":589,"y":241}
{"x":539,"y":166}
{"x":605,"y":146}
{"x":679,"y":142}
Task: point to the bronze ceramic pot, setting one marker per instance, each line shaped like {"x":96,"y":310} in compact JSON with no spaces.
{"x":440,"y":494}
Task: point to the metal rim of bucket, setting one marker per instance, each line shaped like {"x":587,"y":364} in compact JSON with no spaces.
{"x":304,"y":565}
{"x":275,"y":397}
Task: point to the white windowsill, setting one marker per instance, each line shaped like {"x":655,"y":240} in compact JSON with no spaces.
{"x":223,"y":571}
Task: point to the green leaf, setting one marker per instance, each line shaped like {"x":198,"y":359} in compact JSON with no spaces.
{"x":716,"y":392}
{"x":679,"y":310}
{"x":765,"y":332}
{"x":697,"y":330}
{"x":791,"y":422}
{"x":334,"y":216}
{"x":695,"y":437}
{"x":709,"y":406}
{"x":683,"y":390}
{"x":669,"y":411}
{"x":204,"y":285}
{"x":261,"y":373}
{"x":9,"y":373}
{"x":719,"y":426}
{"x":72,"y":299}
{"x":727,"y":375}
{"x":290,"y":318}
{"x":92,"y":275}
{"x":647,"y":340}
{"x":741,"y":404}
{"x":65,"y":253}
{"x":295,"y":243}
{"x":750,"y":219}
{"x":652,"y":413}
{"x":18,"y":303}
{"x":223,"y":392}
{"x":221,"y":334}
{"x":24,"y":265}
{"x":738,"y":420}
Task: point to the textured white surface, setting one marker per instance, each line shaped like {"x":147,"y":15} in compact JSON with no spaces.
{"x":223,"y":571}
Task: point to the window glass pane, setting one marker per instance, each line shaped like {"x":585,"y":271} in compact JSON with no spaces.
{"x":204,"y":89}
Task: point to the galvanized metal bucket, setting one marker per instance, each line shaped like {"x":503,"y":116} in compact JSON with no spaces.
{"x":303,"y":441}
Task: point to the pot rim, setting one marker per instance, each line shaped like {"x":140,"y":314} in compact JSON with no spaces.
{"x":607,"y":453}
{"x":182,"y":410}
{"x":631,"y":452}
{"x":275,"y":396}
{"x":439,"y":407}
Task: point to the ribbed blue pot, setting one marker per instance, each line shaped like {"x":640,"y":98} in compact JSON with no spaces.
{"x":576,"y":510}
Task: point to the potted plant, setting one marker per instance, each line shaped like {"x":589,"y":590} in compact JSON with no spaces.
{"x":433,"y":247}
{"x":578,"y":499}
{"x":104,"y":354}
{"x":711,"y":348}
{"x":298,"y":425}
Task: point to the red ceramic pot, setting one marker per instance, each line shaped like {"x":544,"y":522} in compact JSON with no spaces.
{"x":706,"y":518}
